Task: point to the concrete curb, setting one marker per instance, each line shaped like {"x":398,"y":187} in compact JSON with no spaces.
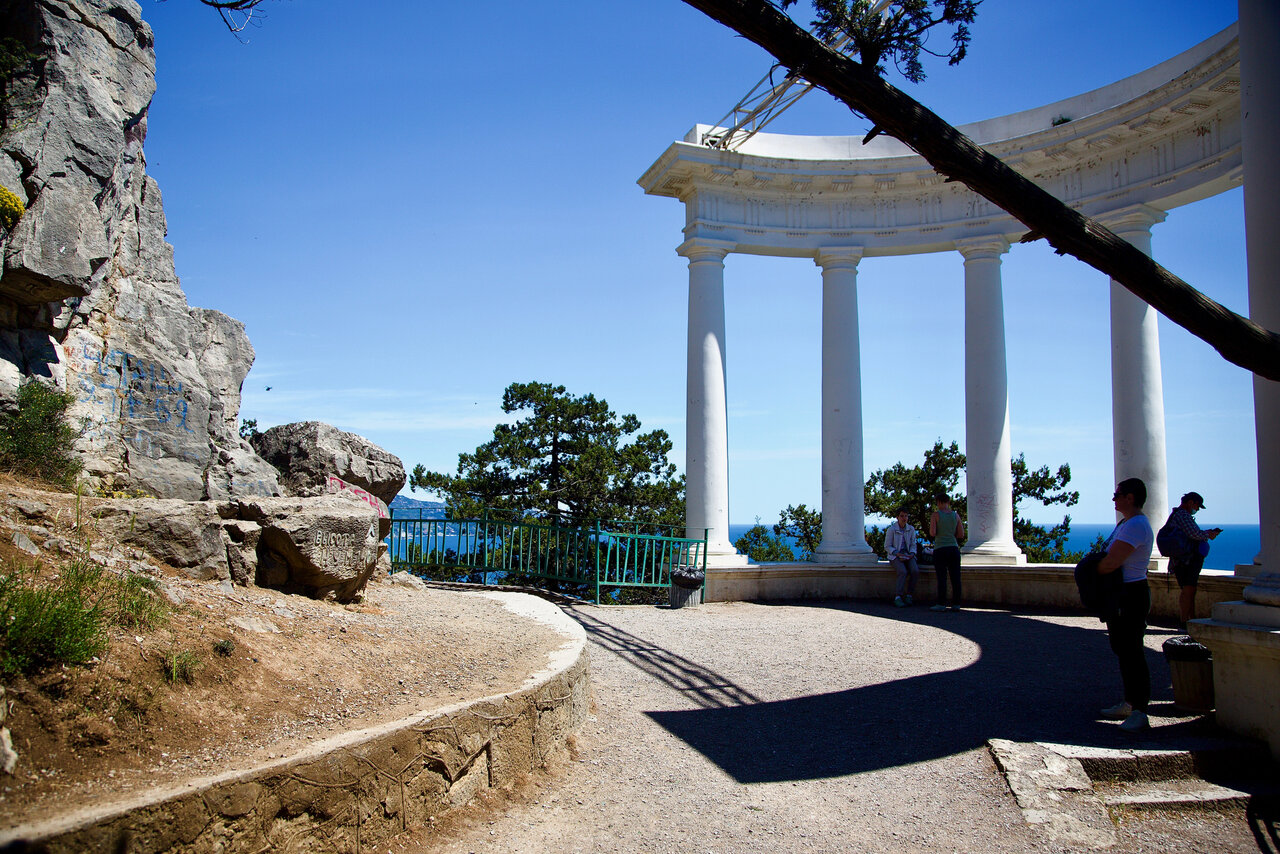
{"x":359,"y":788}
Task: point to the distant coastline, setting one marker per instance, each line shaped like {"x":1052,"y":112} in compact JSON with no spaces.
{"x":408,"y":507}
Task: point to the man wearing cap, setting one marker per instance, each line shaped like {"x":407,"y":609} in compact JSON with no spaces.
{"x":1186,"y":568}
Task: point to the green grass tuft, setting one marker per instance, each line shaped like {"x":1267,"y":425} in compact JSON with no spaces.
{"x":181,"y":666}
{"x":137,"y":603}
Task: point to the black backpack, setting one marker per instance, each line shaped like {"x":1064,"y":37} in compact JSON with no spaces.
{"x":1171,"y":541}
{"x":1099,"y":593}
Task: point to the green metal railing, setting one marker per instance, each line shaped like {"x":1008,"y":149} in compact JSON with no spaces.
{"x":607,"y":555}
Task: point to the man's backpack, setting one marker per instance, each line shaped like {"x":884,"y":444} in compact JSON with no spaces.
{"x":1171,"y":541}
{"x":1099,"y":593}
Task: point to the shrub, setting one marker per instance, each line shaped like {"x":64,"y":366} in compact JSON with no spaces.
{"x":105,"y":491}
{"x":59,"y":623}
{"x":634,"y":595}
{"x":224,"y":647}
{"x":66,"y":620}
{"x":11,"y":208}
{"x":36,"y":440}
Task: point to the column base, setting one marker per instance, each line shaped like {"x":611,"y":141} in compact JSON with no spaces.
{"x":848,"y":555}
{"x":991,"y":554}
{"x":729,"y":556}
{"x":1246,"y":668}
{"x":1248,"y":570}
{"x":852,"y":560}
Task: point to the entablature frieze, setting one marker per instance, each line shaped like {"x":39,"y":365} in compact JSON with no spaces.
{"x":1173,"y":144}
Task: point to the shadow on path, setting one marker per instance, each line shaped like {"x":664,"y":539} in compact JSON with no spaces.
{"x":1033,"y":681}
{"x":700,"y":683}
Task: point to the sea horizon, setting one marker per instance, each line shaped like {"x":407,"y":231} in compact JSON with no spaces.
{"x":1237,"y":544}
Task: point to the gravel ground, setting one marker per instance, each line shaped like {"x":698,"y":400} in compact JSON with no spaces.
{"x":852,"y":726}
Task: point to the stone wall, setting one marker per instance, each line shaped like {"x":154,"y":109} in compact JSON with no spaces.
{"x":1031,"y":585}
{"x":355,"y":791}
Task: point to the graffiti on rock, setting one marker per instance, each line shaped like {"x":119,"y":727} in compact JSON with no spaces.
{"x":129,"y":386}
{"x":335,"y":548}
{"x":335,"y":484}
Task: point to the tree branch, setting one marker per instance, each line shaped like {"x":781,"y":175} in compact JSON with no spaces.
{"x":1238,"y":339}
{"x":227,"y":7}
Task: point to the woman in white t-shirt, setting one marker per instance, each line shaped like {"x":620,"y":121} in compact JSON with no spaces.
{"x":1129,"y":551}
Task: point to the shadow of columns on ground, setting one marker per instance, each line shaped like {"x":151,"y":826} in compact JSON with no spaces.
{"x":1035,"y":680}
{"x":701,"y":684}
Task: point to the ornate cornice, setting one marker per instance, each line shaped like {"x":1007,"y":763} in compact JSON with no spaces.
{"x":1163,"y":138}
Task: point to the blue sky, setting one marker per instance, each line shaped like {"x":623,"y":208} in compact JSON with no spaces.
{"x":411,"y":208}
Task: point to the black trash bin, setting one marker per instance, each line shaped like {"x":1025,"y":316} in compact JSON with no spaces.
{"x":686,"y":586}
{"x":1191,"y":666}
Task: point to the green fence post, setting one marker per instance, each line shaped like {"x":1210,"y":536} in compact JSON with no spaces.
{"x":597,"y":562}
{"x":702,"y":592}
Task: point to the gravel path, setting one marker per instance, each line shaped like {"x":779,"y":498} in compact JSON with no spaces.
{"x":851,"y":726}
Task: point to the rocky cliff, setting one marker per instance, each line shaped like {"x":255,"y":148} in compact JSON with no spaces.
{"x":89,"y":298}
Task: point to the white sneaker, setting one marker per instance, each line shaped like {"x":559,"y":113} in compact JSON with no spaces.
{"x":1135,"y":722}
{"x":1119,"y":712}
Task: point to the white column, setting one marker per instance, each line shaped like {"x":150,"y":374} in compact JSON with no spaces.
{"x":1137,"y":392}
{"x":988,"y":448}
{"x":1260,"y":106}
{"x":844,"y":536}
{"x":706,"y":412}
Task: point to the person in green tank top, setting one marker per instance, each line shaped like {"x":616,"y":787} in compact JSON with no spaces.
{"x":947,"y":530}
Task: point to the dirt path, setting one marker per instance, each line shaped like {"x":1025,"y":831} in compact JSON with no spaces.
{"x":835,"y":727}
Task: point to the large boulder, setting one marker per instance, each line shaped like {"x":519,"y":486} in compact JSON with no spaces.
{"x":187,"y":535}
{"x":89,"y":298}
{"x":308,"y":452}
{"x":326,"y":547}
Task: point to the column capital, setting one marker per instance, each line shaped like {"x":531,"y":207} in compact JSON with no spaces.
{"x":838,"y":257}
{"x":988,"y":248}
{"x":705,"y":249}
{"x":1136,"y":219}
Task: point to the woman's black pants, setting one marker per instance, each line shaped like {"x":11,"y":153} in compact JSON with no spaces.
{"x":1126,"y":631}
{"x":946,"y":561}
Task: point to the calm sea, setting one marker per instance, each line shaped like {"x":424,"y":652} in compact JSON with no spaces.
{"x":1236,"y":544}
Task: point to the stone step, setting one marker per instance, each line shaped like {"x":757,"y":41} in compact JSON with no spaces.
{"x":1189,"y":794}
{"x":1072,"y":793}
{"x":1207,"y":759}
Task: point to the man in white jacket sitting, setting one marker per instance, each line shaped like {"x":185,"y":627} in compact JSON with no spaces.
{"x":900,"y":545}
